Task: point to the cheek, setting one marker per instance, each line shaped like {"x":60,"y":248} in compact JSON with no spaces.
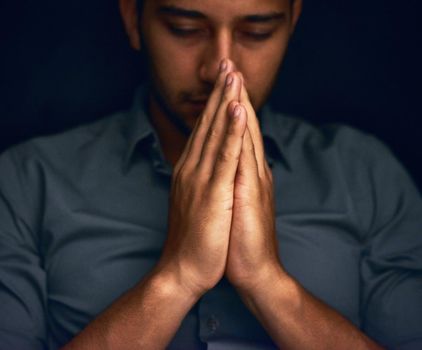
{"x":171,"y":60}
{"x":261,"y":67}
{"x":174,"y":75}
{"x":169,"y":63}
{"x":260,"y":72}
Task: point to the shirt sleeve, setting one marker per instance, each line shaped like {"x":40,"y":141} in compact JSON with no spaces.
{"x":22,"y":278}
{"x":390,"y":207}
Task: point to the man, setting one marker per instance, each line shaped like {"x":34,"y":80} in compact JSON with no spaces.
{"x":314,"y":244}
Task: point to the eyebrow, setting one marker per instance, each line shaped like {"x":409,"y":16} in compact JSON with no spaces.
{"x":267,"y":17}
{"x":180,"y":12}
{"x":254,"y":18}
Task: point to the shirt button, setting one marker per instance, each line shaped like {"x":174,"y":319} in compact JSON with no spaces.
{"x":213,"y":324}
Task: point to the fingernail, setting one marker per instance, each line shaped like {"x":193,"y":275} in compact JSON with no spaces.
{"x":223,"y":65}
{"x":229,"y":80}
{"x":237,"y":111}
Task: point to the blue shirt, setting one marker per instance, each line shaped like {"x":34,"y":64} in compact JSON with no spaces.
{"x":83,"y":217}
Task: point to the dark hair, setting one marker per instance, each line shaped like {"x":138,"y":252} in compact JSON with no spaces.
{"x":140,"y":5}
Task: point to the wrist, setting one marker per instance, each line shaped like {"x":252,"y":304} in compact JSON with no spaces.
{"x":172,"y":281}
{"x":274,"y":281}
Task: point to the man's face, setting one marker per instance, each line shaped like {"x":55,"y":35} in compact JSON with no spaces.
{"x":185,"y":41}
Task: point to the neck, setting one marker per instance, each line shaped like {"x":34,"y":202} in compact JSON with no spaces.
{"x":172,"y":139}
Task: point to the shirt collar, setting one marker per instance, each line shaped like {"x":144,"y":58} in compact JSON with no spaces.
{"x":274,"y":132}
{"x":139,"y":129}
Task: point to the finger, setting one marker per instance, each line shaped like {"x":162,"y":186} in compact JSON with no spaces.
{"x":225,"y":168}
{"x":186,"y":150}
{"x":247,"y":171}
{"x":199,"y":133}
{"x":217,"y":130}
{"x":254,"y":129}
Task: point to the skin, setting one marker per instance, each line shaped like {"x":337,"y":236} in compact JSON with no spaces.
{"x":195,"y":48}
{"x":198,"y":55}
{"x":221,"y":219}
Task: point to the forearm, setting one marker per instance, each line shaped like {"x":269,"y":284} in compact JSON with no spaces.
{"x":146,"y":317}
{"x":297,"y":320}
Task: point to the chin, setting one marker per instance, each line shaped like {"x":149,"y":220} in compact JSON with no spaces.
{"x":191,"y":114}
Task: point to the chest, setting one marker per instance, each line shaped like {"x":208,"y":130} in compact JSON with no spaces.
{"x":99,"y":246}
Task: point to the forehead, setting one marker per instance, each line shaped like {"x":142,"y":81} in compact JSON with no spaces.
{"x":224,"y":10}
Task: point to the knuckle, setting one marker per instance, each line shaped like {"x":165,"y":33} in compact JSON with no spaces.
{"x":227,"y":155}
{"x":212,"y":133}
{"x":202,"y":177}
{"x":182,"y":177}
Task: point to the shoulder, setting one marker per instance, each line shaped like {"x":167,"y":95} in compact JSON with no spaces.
{"x":299,"y":133}
{"x":69,"y":141}
{"x":29,"y":169}
{"x":68,"y":147}
{"x":339,"y":156}
{"x":351,"y":147}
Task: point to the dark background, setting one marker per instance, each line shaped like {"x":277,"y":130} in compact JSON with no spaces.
{"x":64,"y":63}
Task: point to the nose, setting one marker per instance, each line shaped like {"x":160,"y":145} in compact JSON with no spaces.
{"x":219,"y":47}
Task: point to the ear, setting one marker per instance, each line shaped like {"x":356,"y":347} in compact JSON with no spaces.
{"x":296,"y":11}
{"x":129,"y":13}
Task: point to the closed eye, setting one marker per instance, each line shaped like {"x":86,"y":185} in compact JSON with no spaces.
{"x":261,"y":36}
{"x":184,"y":32}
